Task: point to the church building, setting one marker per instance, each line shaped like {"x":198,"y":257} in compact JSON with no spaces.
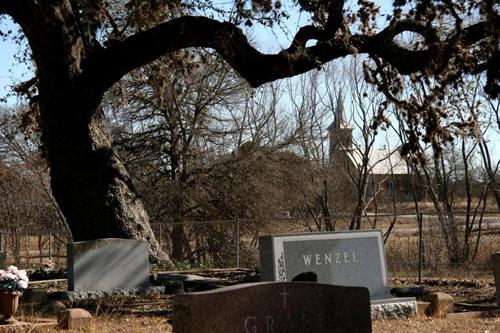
{"x":387,"y":173}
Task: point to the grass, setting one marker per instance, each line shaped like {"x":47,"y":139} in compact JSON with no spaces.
{"x":470,"y":325}
{"x":132,"y":324}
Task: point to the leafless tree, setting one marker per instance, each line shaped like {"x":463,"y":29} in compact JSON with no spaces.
{"x":449,"y":171}
{"x":26,"y":205}
{"x":365,"y":167}
{"x":201,"y":145}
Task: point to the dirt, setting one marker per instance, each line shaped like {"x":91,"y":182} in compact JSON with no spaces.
{"x":468,"y":294}
{"x":463,"y":290}
{"x":153,"y":313}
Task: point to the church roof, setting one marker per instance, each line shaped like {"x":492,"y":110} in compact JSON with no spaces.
{"x":380,"y":161}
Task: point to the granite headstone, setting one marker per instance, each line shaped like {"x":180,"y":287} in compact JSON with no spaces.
{"x":107,"y":264}
{"x":354,"y":258}
{"x":274,"y":307}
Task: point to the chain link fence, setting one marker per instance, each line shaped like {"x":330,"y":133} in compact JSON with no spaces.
{"x":30,"y":247}
{"x":410,"y":250}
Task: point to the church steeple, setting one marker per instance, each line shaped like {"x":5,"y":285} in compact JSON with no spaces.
{"x":340,"y":121}
{"x":340,"y":130}
{"x":339,"y":111}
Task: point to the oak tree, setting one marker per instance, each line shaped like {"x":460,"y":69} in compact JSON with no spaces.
{"x":81,"y":48}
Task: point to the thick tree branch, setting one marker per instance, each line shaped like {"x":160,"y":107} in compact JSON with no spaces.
{"x":13,"y":8}
{"x":305,"y":34}
{"x":6,"y":7}
{"x":335,"y":16}
{"x":428,"y":32}
{"x":311,"y":32}
{"x":258,"y":68}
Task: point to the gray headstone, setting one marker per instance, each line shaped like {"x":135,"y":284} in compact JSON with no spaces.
{"x":354,"y":258}
{"x":495,"y":257}
{"x":277,"y":307}
{"x":106,"y":264}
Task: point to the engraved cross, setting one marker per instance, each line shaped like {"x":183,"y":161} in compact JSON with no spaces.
{"x":284,"y":294}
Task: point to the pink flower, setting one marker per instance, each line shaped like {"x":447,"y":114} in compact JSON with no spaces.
{"x":13,"y":274}
{"x":12,"y":269}
{"x":8,"y":276}
{"x":22,"y":274}
{"x":22,"y":284}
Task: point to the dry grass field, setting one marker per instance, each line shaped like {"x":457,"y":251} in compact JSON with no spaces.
{"x":133,"y":324}
{"x":473,"y":325}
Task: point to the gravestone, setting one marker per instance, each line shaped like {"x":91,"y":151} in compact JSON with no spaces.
{"x":495,"y":257}
{"x":354,"y":258}
{"x":274,"y":307}
{"x":107,"y":264}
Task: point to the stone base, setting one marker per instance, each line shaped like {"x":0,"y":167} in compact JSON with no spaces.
{"x":74,"y":319}
{"x":423,"y":308}
{"x":441,"y":304}
{"x":394,"y":308}
{"x":75,"y":296}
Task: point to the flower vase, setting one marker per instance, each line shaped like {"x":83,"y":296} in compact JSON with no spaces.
{"x":9,"y":302}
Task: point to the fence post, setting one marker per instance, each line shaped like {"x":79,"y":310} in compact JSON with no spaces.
{"x":27,"y":245}
{"x":237,"y":243}
{"x":420,"y":247}
{"x":50,"y":245}
{"x":159,"y":234}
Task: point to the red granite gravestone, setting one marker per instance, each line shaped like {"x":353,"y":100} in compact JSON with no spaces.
{"x":274,"y":307}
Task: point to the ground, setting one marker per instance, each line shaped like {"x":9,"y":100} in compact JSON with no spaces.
{"x":152,"y":325}
{"x":153,"y":313}
{"x":479,"y":325}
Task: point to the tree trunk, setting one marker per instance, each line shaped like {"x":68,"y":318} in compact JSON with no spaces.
{"x":89,"y":182}
{"x":92,"y":187}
